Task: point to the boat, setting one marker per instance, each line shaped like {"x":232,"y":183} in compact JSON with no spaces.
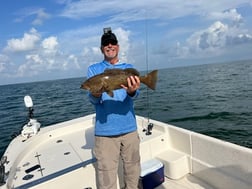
{"x":60,"y":156}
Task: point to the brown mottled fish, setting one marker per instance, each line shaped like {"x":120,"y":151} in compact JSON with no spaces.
{"x":112,"y":79}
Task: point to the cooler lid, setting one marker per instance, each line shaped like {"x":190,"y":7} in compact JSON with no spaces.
{"x":150,"y":166}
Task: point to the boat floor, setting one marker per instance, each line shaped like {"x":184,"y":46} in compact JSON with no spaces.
{"x":62,"y":149}
{"x":187,"y":182}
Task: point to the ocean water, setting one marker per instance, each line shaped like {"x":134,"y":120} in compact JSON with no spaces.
{"x":212,"y":99}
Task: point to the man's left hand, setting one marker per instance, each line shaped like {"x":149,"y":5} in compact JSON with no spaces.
{"x":133,"y":85}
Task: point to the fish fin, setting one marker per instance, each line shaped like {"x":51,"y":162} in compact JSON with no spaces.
{"x":150,"y":79}
{"x":113,"y":71}
{"x":110,"y":93}
{"x":97,"y":90}
{"x":132,"y":71}
{"x":118,"y":71}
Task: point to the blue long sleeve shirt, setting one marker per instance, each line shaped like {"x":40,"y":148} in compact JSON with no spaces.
{"x":114,"y":115}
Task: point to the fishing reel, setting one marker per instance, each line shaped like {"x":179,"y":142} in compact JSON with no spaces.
{"x":148,"y":129}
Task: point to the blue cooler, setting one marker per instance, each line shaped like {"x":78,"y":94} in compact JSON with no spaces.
{"x":152,"y":174}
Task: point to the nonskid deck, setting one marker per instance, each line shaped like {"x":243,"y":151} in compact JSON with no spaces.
{"x":65,"y":154}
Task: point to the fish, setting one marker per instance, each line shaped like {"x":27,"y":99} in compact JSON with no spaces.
{"x":112,"y":79}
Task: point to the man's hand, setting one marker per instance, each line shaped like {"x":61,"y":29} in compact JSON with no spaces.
{"x":133,"y":85}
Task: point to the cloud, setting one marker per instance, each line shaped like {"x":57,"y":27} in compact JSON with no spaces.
{"x":31,"y":67}
{"x":35,"y":56}
{"x":50,"y":45}
{"x":4,"y":61}
{"x":132,"y":10}
{"x":230,"y":16}
{"x":28,"y":42}
{"x":239,"y":39}
{"x":219,"y":35}
{"x":71,"y":63}
{"x":41,"y":16}
{"x":177,"y":30}
{"x":85,"y":41}
{"x":39,"y":13}
{"x":123,"y":38}
{"x":210,"y":38}
{"x":225,"y":33}
{"x":46,"y":57}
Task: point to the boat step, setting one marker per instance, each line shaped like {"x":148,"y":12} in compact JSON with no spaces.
{"x":176,"y":164}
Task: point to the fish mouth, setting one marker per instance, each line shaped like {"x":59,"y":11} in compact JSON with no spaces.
{"x":84,"y":87}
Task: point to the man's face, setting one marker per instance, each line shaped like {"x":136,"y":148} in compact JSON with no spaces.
{"x":110,"y":51}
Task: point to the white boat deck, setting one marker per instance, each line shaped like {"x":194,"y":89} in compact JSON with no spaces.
{"x":187,"y":182}
{"x":60,"y":156}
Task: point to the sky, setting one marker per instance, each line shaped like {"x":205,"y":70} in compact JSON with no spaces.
{"x":56,"y":39}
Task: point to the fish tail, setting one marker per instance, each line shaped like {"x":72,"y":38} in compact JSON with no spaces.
{"x":150,"y":79}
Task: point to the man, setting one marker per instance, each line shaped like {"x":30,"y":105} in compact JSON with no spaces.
{"x":115,"y":128}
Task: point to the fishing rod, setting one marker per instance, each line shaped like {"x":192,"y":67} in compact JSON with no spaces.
{"x":150,"y":125}
{"x":147,"y":64}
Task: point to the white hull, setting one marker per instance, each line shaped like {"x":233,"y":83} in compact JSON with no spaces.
{"x":60,"y":156}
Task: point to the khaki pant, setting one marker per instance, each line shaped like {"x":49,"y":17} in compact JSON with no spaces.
{"x":108,"y":151}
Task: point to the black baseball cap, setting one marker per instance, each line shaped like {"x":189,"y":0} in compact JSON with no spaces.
{"x":108,"y":37}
